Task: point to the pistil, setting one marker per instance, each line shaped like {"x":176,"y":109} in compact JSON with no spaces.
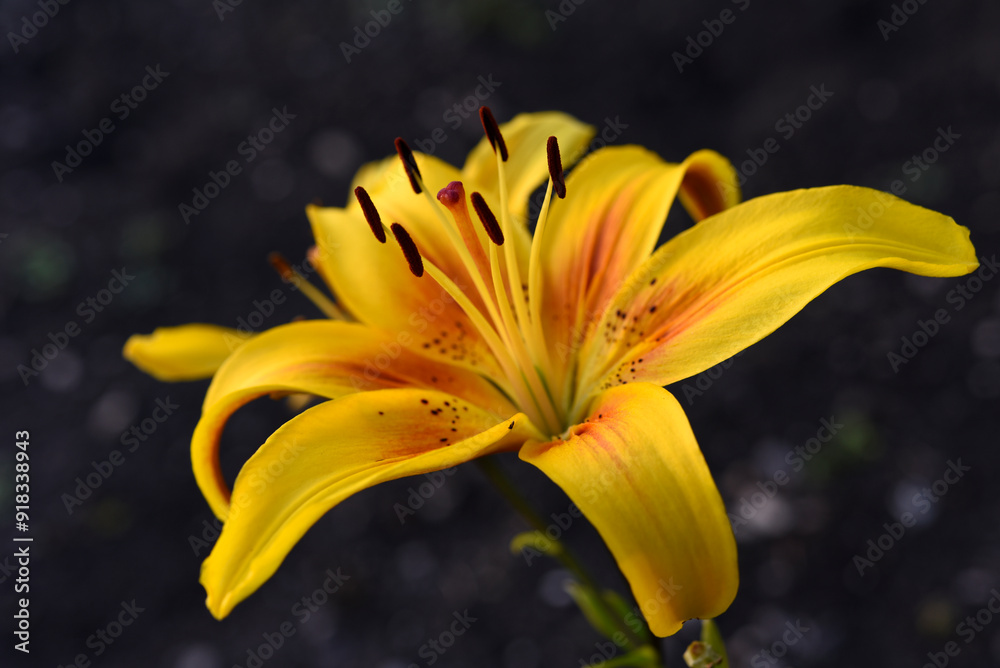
{"x":452,"y":197}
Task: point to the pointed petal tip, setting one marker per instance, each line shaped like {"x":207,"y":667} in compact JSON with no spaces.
{"x":329,"y":453}
{"x":182,"y":353}
{"x":133,"y":351}
{"x":129,"y":349}
{"x":219,"y":603}
{"x":216,"y":609}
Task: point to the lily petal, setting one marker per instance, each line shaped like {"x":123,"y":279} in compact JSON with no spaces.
{"x":710,"y":184}
{"x":326,"y":454}
{"x":734,"y":278}
{"x":635,"y":471}
{"x":527,"y":167}
{"x":609,"y":224}
{"x":324,"y":358}
{"x":187,"y":352}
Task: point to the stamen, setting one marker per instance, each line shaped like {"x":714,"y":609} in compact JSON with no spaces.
{"x":493,"y":131}
{"x":489,"y":220}
{"x":555,"y":167}
{"x":409,"y":164}
{"x":410,"y":251}
{"x":535,"y":296}
{"x":312,"y":293}
{"x":371,"y":213}
{"x":281,"y":266}
{"x":526,"y":394}
{"x":529,"y":349}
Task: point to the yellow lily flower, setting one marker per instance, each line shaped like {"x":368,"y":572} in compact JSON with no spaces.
{"x":480,"y":337}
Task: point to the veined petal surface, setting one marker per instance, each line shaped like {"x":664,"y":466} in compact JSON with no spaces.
{"x":734,"y":278}
{"x":609,"y":224}
{"x":634,"y":469}
{"x":329,"y":452}
{"x":325,"y":358}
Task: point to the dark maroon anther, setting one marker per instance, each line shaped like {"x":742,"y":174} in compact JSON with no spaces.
{"x":493,"y":132}
{"x":409,"y":164}
{"x":555,"y":167}
{"x":371,"y":213}
{"x":489,"y":220}
{"x":281,"y":266}
{"x":410,"y":251}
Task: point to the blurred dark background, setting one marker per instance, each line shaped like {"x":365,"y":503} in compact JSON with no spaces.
{"x":223,"y":68}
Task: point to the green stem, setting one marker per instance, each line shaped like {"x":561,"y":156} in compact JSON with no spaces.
{"x":502,"y":482}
